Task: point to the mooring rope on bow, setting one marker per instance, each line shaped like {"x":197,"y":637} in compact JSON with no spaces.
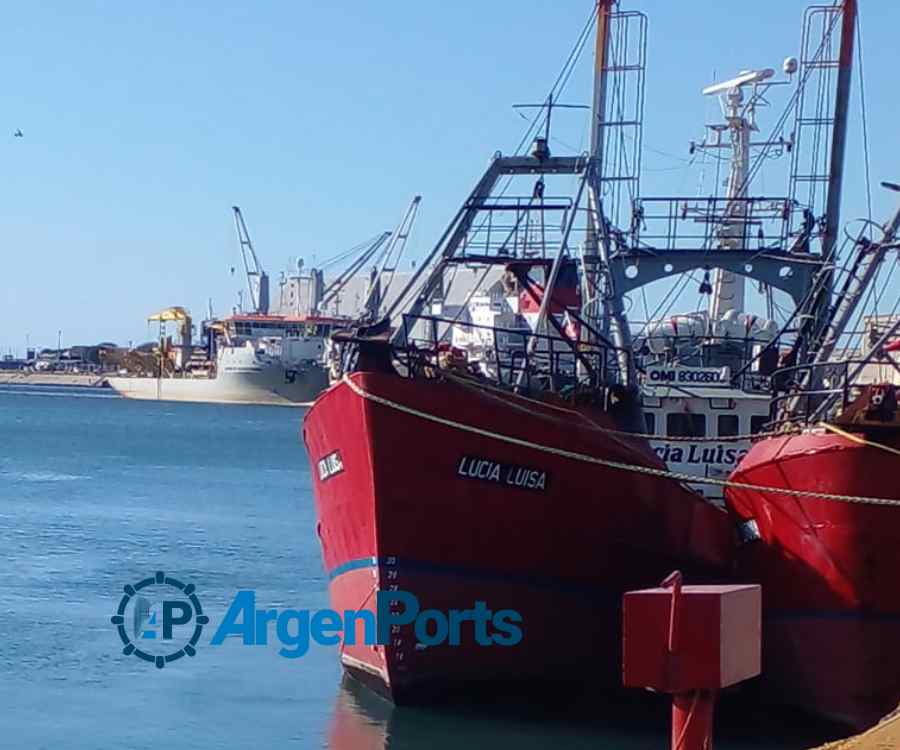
{"x":619,"y":465}
{"x":857,"y":439}
{"x":648,"y":436}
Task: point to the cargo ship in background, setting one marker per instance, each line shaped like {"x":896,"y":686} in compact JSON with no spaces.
{"x":268,"y":356}
{"x":236,"y":364}
{"x":510,"y":480}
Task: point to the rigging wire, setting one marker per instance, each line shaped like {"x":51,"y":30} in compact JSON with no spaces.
{"x":539,"y":119}
{"x":874,"y":297}
{"x":823,"y":99}
{"x":355,"y":250}
{"x":559,"y":85}
{"x":782,"y":120}
{"x":658,"y":313}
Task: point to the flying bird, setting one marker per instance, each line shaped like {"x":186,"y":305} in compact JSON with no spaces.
{"x":18,"y":134}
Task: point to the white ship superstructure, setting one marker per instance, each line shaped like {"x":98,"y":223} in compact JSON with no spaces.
{"x":246,"y":358}
{"x":242,"y":374}
{"x":699,"y":405}
{"x":706,"y":374}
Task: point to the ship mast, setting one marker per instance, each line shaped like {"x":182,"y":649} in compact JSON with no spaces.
{"x":598,"y":239}
{"x":839,"y":136}
{"x":822,"y":304}
{"x":601,"y":54}
{"x":728,"y":288}
{"x":740,"y":123}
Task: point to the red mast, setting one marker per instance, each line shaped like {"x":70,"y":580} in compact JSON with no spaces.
{"x":839,"y":134}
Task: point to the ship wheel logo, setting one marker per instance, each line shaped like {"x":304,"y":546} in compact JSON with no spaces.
{"x":165,"y":616}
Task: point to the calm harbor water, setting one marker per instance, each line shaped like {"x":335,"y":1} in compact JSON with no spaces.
{"x":97,"y":492}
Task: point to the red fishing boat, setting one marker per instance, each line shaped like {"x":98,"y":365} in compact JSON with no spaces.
{"x":459,"y":492}
{"x":827,"y":553}
{"x":509,"y":480}
{"x":818,"y":499}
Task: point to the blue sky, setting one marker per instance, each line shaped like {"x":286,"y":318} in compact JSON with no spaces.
{"x":144,"y":123}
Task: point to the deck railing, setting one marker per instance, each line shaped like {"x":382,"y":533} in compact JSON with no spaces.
{"x":503,"y":354}
{"x":705,"y":223}
{"x":804,"y":394}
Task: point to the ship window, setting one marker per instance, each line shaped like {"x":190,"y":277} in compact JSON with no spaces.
{"x":728,"y":425}
{"x":757,"y":423}
{"x":651,"y":423}
{"x":686,"y":425}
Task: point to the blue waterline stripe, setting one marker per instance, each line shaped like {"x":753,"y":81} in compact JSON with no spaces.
{"x":598,"y":593}
{"x":362,"y":562}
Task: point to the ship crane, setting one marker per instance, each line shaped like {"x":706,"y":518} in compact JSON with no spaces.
{"x":257,"y":279}
{"x":383,"y":275}
{"x":335,"y":287}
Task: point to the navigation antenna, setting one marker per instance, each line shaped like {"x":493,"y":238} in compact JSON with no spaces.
{"x":257,"y":279}
{"x":541,"y":147}
{"x":734,"y":135}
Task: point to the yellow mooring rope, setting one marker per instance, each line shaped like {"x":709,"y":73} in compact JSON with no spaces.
{"x":857,"y":439}
{"x":620,"y":465}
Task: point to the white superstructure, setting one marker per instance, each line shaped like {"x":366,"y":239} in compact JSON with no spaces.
{"x":243,"y":374}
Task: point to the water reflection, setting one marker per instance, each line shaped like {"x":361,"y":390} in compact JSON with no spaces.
{"x":363,"y":721}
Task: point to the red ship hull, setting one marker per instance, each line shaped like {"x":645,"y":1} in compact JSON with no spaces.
{"x":829,"y":572}
{"x":402,"y":510}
